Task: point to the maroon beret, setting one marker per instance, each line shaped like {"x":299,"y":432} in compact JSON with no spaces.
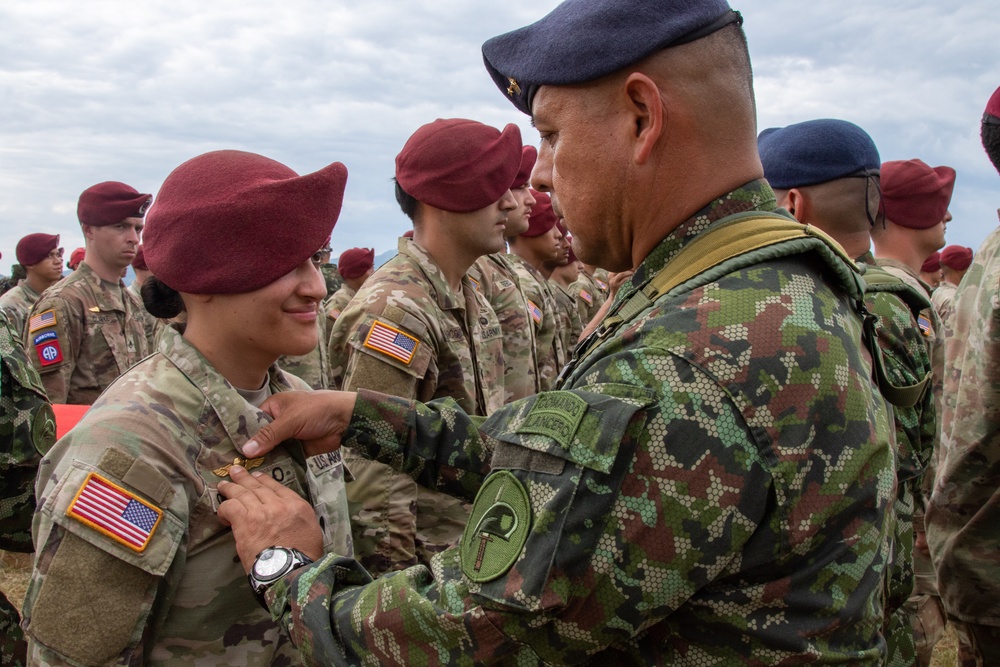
{"x":993,"y":106}
{"x":75,"y":258}
{"x":528,"y":156}
{"x":932,"y":263}
{"x":956,"y":257}
{"x":408,"y":234}
{"x":914,"y":194}
{"x":543,"y":218}
{"x":33,"y":248}
{"x":139,"y":263}
{"x":109,"y":203}
{"x":355,"y":262}
{"x":229,"y":222}
{"x":459,"y":165}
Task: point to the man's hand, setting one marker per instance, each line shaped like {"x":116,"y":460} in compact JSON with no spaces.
{"x":264,"y":513}
{"x":317,"y":418}
{"x":616,"y":280}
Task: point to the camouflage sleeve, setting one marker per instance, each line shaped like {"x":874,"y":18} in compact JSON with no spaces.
{"x":53,"y":344}
{"x":605,"y":523}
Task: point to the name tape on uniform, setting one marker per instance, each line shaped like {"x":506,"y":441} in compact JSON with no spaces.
{"x":391,"y":341}
{"x":111,"y":510}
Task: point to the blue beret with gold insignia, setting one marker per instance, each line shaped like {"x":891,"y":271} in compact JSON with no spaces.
{"x":816,"y":151}
{"x":583,"y":40}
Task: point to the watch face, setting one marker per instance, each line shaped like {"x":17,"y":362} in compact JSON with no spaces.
{"x":270,"y":563}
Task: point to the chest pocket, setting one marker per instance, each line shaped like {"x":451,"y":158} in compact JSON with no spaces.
{"x":107,"y":343}
{"x":566,"y":449}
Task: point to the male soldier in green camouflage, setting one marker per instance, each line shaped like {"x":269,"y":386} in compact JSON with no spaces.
{"x":826,"y":173}
{"x":529,"y":251}
{"x":712,"y":482}
{"x":915,"y":198}
{"x":496,"y":277}
{"x":963,"y":526}
{"x":41,"y":258}
{"x":420,"y":329}
{"x":27,"y":430}
{"x":84,"y":331}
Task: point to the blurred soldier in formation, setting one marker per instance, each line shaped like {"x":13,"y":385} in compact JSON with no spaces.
{"x":41,"y":257}
{"x":955,"y":261}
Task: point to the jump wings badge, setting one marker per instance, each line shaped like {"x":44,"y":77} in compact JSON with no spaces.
{"x":249,"y":464}
{"x":498,"y":528}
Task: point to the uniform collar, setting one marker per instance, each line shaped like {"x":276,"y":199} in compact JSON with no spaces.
{"x":106,"y":299}
{"x":754,"y":196}
{"x":239,"y":419}
{"x":439,"y":288}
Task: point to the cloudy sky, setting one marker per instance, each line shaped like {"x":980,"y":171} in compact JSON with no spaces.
{"x":114,"y":90}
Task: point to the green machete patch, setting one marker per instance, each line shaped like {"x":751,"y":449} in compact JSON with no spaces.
{"x":497,"y":528}
{"x":555,"y":414}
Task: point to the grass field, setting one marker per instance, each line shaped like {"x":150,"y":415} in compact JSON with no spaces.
{"x":14,"y":570}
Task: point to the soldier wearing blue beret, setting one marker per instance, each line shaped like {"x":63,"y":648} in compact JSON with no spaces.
{"x":710,"y":481}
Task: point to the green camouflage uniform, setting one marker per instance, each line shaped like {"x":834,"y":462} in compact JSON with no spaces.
{"x":95,"y":337}
{"x":570,"y":326}
{"x":924,"y":608}
{"x":313,"y":367}
{"x":549,"y":350}
{"x":907,"y":362}
{"x":589,"y":297}
{"x":17,"y":303}
{"x":943,"y":299}
{"x":27,"y":430}
{"x":963,"y":525}
{"x":497,"y":280}
{"x":164,"y":434}
{"x":332,"y":278}
{"x":712,"y":486}
{"x":452,"y":346}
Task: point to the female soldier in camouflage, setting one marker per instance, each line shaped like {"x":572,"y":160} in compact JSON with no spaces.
{"x":133,"y":566}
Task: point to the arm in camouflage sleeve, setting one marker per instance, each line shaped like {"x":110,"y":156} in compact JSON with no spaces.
{"x":68,"y":328}
{"x":633,"y":512}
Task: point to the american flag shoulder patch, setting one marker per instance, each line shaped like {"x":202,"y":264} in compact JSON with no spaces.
{"x":603,"y":285}
{"x":535,"y":312}
{"x":585,"y":295}
{"x":112,"y":511}
{"x":391,"y":341}
{"x":42,"y":320}
{"x":475,"y":283}
{"x":925,"y":325}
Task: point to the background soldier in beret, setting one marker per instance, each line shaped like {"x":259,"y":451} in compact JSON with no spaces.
{"x":354,"y":266}
{"x":930,"y":271}
{"x":85,"y":331}
{"x":496,"y":277}
{"x":955,"y":261}
{"x":963,"y":521}
{"x":530,"y":250}
{"x":562,"y":274}
{"x":27,"y":430}
{"x":711,"y":482}
{"x":826,"y":173}
{"x":133,"y":566}
{"x":41,"y":257}
{"x":331,"y":275}
{"x":75,"y":258}
{"x":420,"y":329}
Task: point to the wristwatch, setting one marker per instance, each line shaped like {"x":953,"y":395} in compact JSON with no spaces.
{"x":272,"y":564}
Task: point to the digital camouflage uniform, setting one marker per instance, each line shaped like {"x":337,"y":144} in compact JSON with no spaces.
{"x":570,"y":325}
{"x":17,"y":303}
{"x":963,"y":522}
{"x":406,"y":333}
{"x":897,"y":305}
{"x":314,"y":367}
{"x":88,"y":333}
{"x":943,"y":299}
{"x":497,"y":280}
{"x":549,"y":351}
{"x":710,"y":486}
{"x":589,"y":297}
{"x":164,"y":434}
{"x":27,"y":430}
{"x":331,"y":277}
{"x":926,"y":612}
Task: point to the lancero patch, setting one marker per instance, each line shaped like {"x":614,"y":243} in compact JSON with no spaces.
{"x":497,"y":528}
{"x":556,"y":414}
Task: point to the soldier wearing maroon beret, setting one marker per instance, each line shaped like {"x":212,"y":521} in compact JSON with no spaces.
{"x":930,"y":270}
{"x":420,"y":329}
{"x":354,"y":267}
{"x":41,"y":258}
{"x":75,"y":258}
{"x":954,"y":261}
{"x":86,"y":330}
{"x":563,"y":272}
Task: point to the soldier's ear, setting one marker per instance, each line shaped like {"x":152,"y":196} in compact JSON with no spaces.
{"x":646,"y":106}
{"x":796,"y":203}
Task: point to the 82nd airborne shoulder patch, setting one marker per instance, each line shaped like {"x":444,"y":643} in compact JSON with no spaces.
{"x":497,"y":528}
